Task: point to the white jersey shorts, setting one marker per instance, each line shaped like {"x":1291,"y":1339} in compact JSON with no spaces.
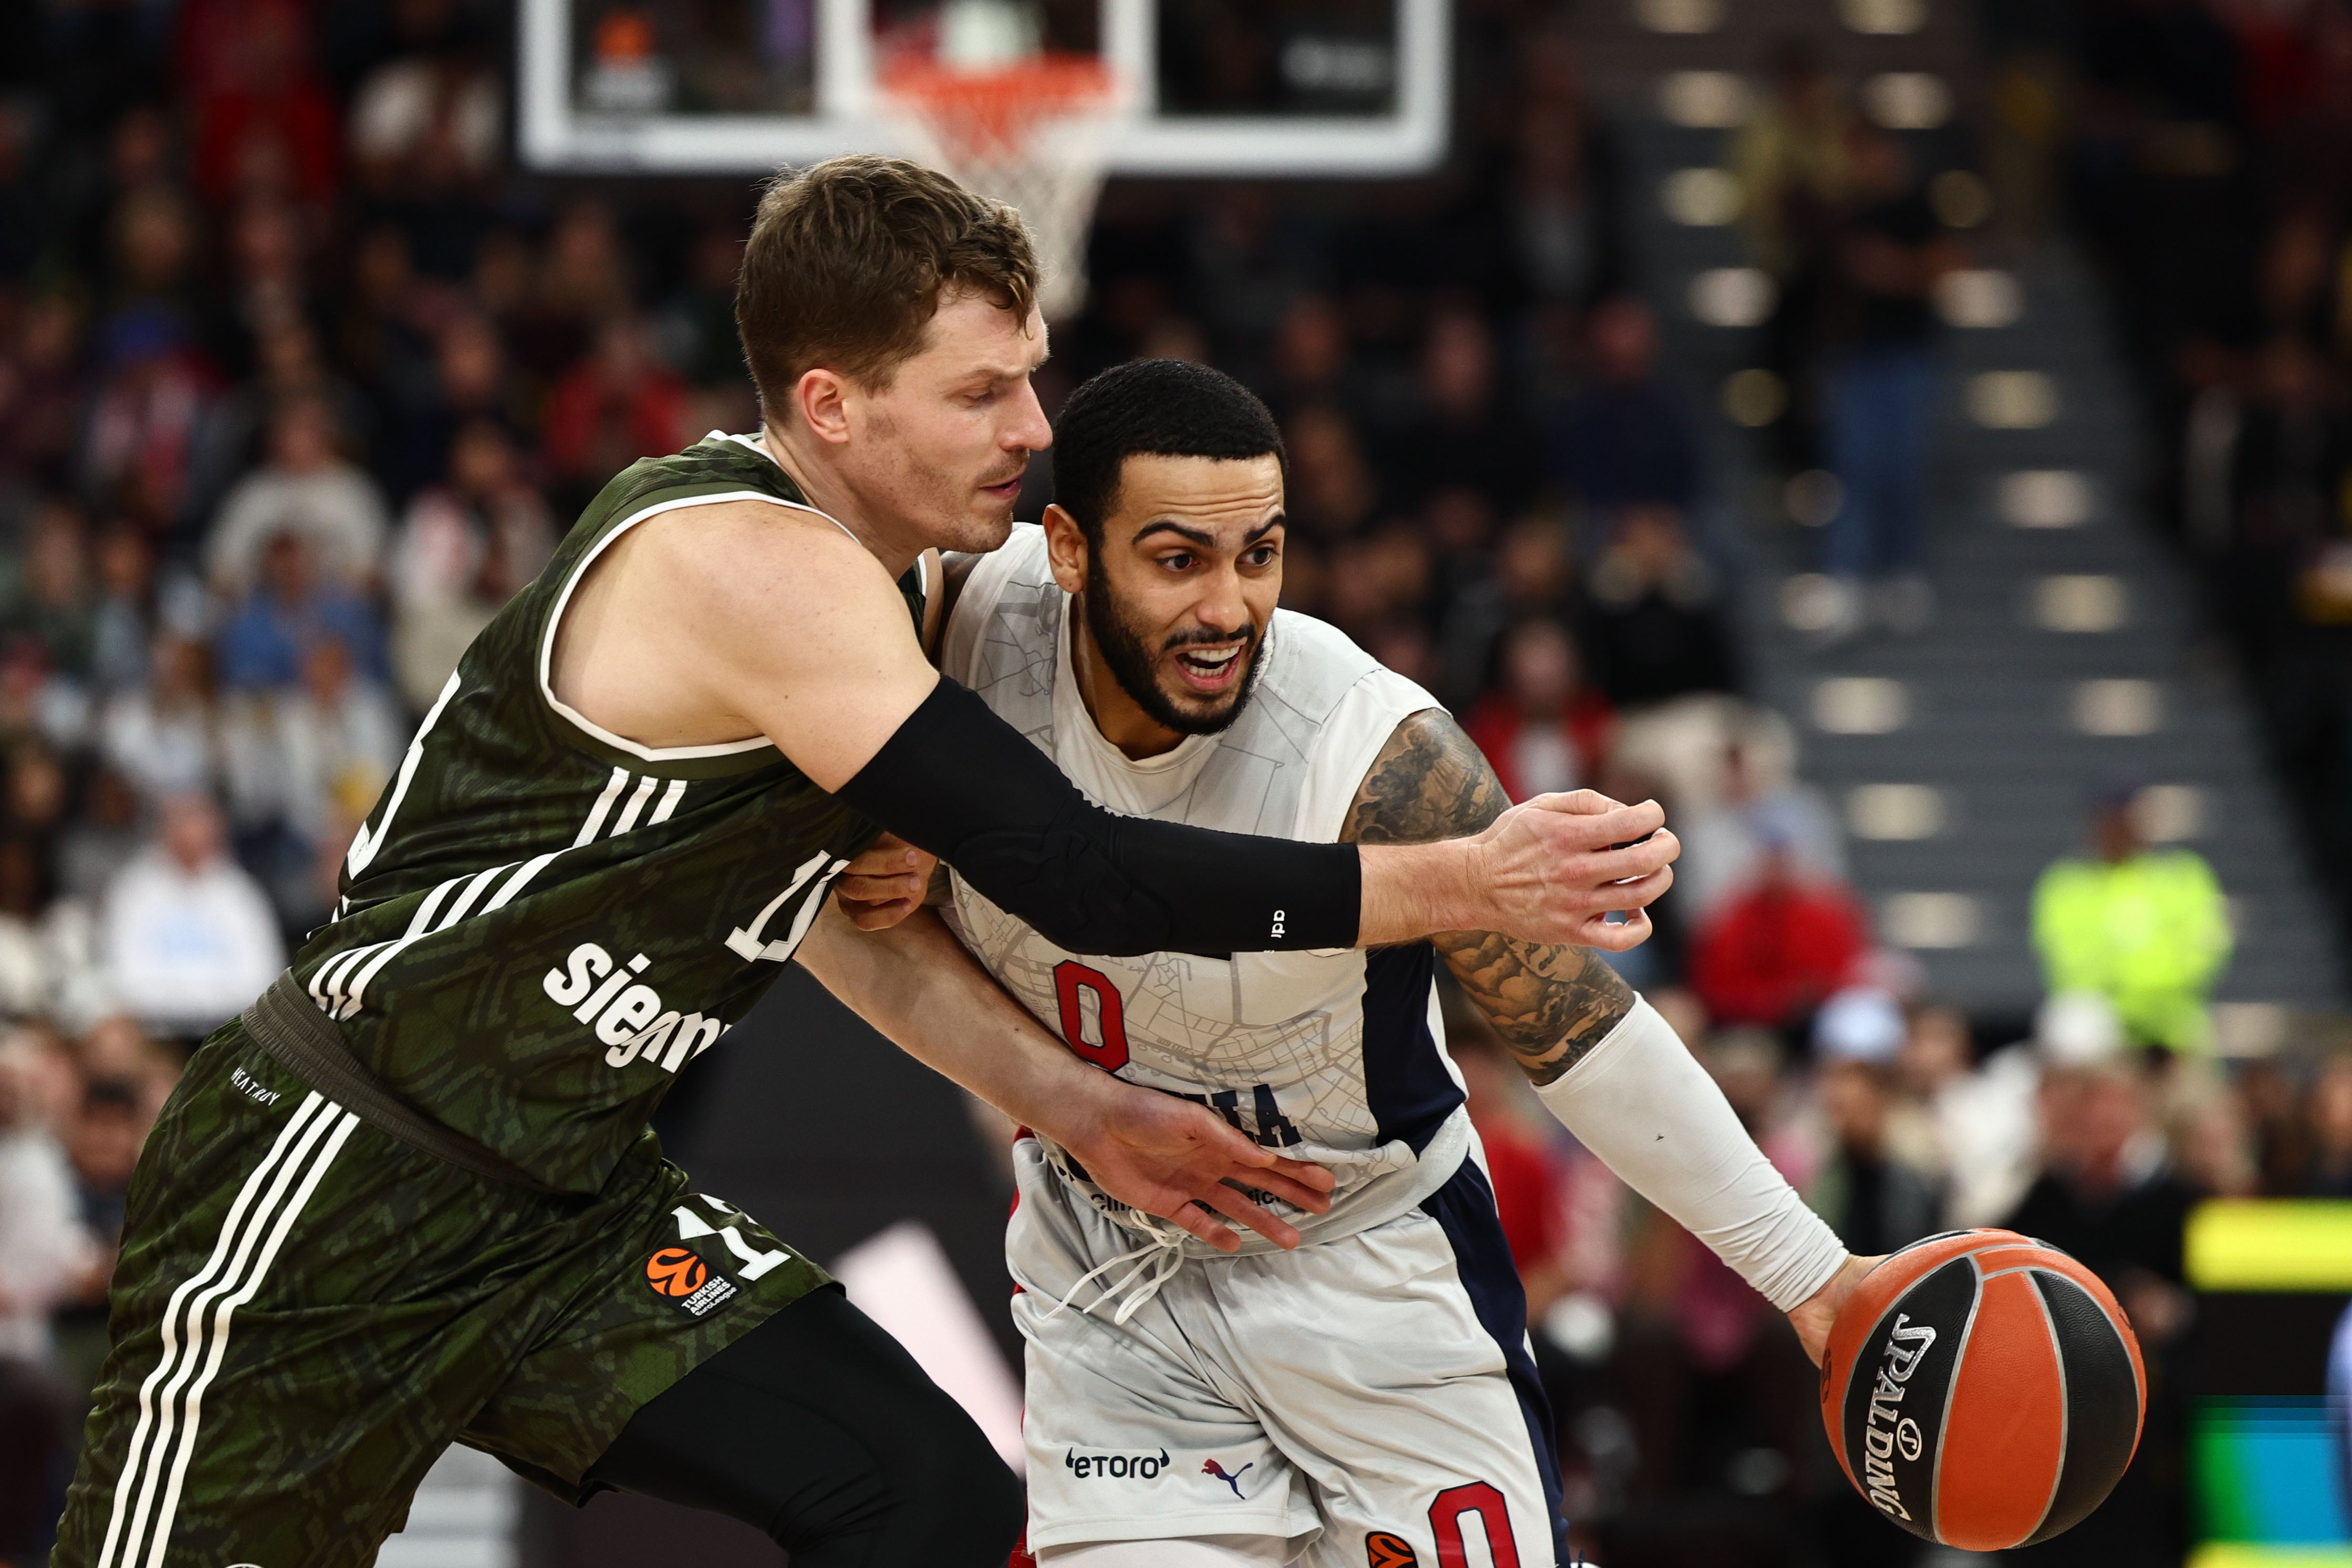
{"x":1369,"y":1400}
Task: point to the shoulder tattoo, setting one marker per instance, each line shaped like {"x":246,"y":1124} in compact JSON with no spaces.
{"x":1550,"y":1004}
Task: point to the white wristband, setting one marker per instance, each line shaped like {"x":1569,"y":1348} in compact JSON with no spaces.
{"x":1640,"y":1102}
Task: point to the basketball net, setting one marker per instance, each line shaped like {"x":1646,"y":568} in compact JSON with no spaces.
{"x":1033,"y":132}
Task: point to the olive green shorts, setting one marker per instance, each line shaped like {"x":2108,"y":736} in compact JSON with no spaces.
{"x":309,"y":1310}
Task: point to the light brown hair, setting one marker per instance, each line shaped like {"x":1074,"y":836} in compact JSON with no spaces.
{"x":848,"y":259}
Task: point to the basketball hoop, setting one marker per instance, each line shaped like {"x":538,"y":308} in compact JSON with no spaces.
{"x":1034,"y":133}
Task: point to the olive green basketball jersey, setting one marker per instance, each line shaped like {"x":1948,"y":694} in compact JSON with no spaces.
{"x":542,"y":922}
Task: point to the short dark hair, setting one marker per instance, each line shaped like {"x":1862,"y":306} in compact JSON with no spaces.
{"x":1156,"y":408}
{"x":847,"y":260}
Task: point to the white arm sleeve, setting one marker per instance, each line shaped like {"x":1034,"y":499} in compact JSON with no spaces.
{"x":1640,"y":1102}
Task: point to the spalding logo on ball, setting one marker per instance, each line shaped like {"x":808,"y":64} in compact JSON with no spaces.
{"x":1983,"y":1390}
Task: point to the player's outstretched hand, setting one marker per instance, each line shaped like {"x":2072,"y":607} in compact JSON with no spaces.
{"x":885,"y":884}
{"x":1556,"y":867}
{"x":1164,"y":1156}
{"x":1814,"y":1314}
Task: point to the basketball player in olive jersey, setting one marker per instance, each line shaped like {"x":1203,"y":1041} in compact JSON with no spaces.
{"x":410,"y":1199}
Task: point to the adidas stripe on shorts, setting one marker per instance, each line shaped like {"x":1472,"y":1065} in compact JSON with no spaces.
{"x":308,"y":1310}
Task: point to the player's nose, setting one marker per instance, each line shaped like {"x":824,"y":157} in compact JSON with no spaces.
{"x":1221,"y":604}
{"x":1028,"y":428}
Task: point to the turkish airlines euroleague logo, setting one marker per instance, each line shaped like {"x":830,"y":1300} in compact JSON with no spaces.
{"x":674,"y":1272}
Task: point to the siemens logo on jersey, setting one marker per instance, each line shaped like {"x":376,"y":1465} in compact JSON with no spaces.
{"x":628,"y":1016}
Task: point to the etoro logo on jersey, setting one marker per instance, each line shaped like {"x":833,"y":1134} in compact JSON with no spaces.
{"x":626,"y":1014}
{"x":1098,"y":1464}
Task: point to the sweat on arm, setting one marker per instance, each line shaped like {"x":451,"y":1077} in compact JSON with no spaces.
{"x":959,"y":781}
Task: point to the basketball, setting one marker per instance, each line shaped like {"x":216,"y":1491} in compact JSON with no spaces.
{"x":1983,"y":1390}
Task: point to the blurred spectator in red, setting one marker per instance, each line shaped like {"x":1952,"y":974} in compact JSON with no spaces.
{"x":41,"y":389}
{"x":1771,"y":954}
{"x":2331,"y":1128}
{"x":464,"y":548}
{"x":189,"y":937}
{"x":263,"y":120}
{"x":1652,"y":621}
{"x":289,"y":606}
{"x":1758,"y":796}
{"x":616,"y":406}
{"x":1545,"y":729}
{"x":1626,"y":439}
{"x":306,"y":488}
{"x":161,"y":736}
{"x":1875,"y":1199}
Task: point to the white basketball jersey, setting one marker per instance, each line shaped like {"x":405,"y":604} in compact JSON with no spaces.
{"x":1333,"y":1056}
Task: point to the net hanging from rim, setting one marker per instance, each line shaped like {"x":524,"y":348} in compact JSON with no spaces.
{"x":1034,"y":134}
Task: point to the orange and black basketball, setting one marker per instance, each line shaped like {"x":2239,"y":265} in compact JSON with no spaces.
{"x":1983,"y":1390}
{"x":675,"y":1271}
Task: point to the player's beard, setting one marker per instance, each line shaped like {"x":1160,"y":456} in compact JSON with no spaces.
{"x":1136,"y":669}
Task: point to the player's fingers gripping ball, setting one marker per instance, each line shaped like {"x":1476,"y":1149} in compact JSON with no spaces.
{"x":1983,"y":1390}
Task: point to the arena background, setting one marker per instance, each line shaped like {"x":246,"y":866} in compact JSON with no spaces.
{"x":1608,"y":337}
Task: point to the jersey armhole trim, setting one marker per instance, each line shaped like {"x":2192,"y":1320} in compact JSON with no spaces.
{"x":589,"y":726}
{"x":974,"y":607}
{"x":1336,"y":777}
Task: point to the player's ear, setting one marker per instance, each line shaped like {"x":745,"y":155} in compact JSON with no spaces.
{"x":821,"y":397}
{"x":1065,"y":549}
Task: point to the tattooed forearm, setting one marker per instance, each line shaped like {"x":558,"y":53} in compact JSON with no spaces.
{"x":1550,"y":1004}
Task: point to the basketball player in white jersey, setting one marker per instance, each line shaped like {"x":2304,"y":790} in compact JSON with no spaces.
{"x":1368,"y":1399}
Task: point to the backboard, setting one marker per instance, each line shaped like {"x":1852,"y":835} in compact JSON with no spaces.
{"x":1219,"y":87}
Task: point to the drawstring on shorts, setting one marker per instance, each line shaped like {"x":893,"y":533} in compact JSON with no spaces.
{"x":1156,"y":1262}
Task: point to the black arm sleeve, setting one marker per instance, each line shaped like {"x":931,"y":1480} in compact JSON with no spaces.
{"x":959,"y":781}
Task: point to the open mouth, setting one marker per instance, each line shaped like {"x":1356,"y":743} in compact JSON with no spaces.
{"x":1210,"y":671}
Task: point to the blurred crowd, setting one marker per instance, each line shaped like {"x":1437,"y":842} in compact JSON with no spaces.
{"x":2204,"y":148}
{"x":301,"y":380}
